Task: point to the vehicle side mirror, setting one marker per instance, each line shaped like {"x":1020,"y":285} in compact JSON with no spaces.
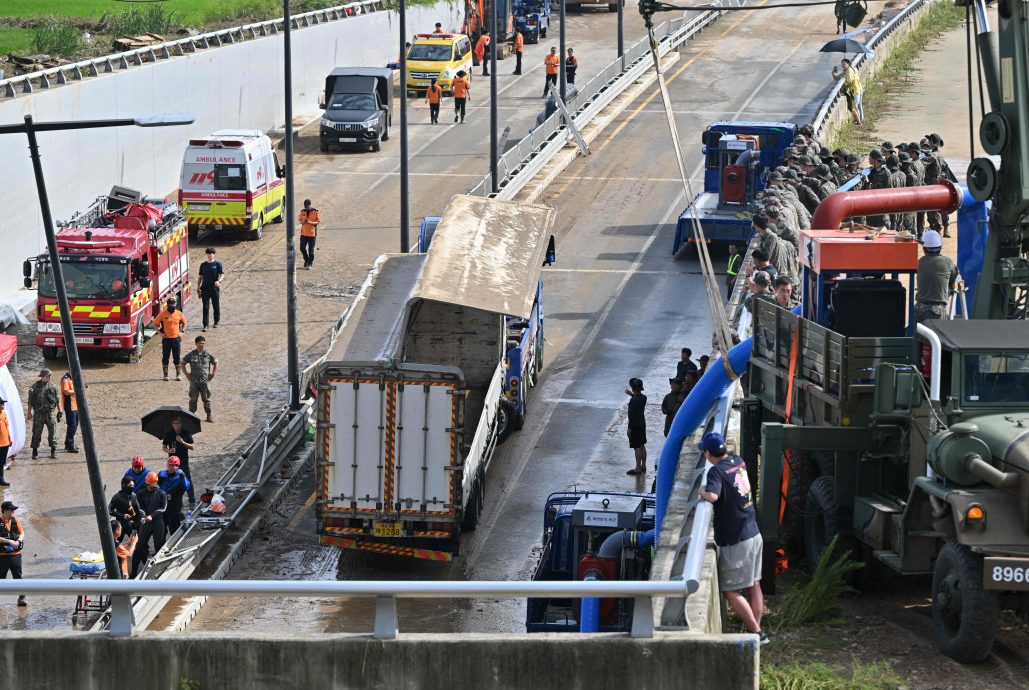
{"x":26,"y":268}
{"x":144,"y":282}
{"x":321,"y":101}
{"x":551,"y":252}
{"x":281,"y":171}
{"x":383,"y":107}
{"x":27,"y":282}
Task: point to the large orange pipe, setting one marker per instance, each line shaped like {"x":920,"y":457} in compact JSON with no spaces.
{"x":944,"y":197}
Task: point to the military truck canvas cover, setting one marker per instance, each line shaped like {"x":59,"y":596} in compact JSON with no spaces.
{"x":487,"y":254}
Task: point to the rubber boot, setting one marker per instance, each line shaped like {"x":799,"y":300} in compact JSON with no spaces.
{"x":53,"y":452}
{"x":35,"y":453}
{"x":165,"y":373}
{"x":178,"y":373}
{"x":209,"y":417}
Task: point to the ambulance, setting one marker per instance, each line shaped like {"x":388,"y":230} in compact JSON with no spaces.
{"x":438,"y":56}
{"x":232,"y":181}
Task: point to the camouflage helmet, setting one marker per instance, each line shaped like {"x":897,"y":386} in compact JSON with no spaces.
{"x":892,"y":162}
{"x":875,"y":154}
{"x":822,"y":171}
{"x":853,"y":158}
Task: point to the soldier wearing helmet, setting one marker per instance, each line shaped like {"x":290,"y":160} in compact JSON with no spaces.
{"x":153,"y":503}
{"x":137,"y":472}
{"x":937,"y":275}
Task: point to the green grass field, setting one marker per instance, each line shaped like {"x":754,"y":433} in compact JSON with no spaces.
{"x":94,"y":9}
{"x":14,"y":40}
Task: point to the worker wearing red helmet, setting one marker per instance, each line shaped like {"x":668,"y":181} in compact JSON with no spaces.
{"x":174,"y":483}
{"x":153,"y":502}
{"x":137,"y":472}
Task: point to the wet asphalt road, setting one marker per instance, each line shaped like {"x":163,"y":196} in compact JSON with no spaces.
{"x":617,"y":305}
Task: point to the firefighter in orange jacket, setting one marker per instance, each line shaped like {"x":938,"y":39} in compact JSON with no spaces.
{"x":553,"y":64}
{"x":482,"y":49}
{"x":309,"y":220}
{"x":519,"y":44}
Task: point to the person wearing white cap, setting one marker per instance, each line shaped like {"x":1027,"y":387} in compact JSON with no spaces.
{"x":936,"y":277}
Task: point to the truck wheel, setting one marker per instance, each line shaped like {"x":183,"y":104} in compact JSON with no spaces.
{"x":820,"y":524}
{"x":964,"y":614}
{"x":281,"y":218}
{"x":324,"y":148}
{"x":792,"y":531}
{"x":257,"y":232}
{"x":385,"y":135}
{"x":49,"y":352}
{"x":377,"y":146}
{"x":505,"y":420}
{"x":612,"y":7}
{"x":193,"y":232}
{"x":136,"y":353}
{"x":473,"y":511}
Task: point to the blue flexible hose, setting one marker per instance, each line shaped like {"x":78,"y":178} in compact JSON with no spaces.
{"x":589,"y":618}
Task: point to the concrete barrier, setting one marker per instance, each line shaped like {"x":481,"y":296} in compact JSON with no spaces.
{"x":88,"y":661}
{"x":234,"y":86}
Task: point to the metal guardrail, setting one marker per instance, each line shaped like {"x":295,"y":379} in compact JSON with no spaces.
{"x":191,"y":543}
{"x":94,"y":67}
{"x":385,"y":593}
{"x":832,"y":100}
{"x":522,"y":162}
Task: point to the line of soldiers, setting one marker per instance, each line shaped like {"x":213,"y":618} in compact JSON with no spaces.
{"x":811,"y":173}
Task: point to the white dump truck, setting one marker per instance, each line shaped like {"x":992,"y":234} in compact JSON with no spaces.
{"x":418,"y":387}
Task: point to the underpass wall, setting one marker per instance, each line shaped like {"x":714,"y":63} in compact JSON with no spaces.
{"x":95,"y":661}
{"x":233,"y":86}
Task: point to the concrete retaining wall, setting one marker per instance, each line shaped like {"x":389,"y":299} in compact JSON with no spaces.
{"x":234,"y":86}
{"x":94,"y":661}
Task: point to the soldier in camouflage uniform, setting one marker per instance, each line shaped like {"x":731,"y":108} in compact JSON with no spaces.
{"x":43,"y":405}
{"x":936,"y":143}
{"x":878,"y":178}
{"x":897,"y":180}
{"x":838,"y":167}
{"x":933,"y":174}
{"x":825,"y":184}
{"x":784,"y":226}
{"x":202,"y":367}
{"x":918,"y":166}
{"x":809,"y":133}
{"x":907,"y":167}
{"x":788,"y":196}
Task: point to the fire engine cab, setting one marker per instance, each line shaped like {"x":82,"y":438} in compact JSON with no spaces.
{"x":121,"y":259}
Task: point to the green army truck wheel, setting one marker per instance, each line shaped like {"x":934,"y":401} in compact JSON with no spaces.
{"x":820,"y":523}
{"x":964,"y":614}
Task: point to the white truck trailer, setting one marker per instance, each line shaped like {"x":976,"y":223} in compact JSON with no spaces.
{"x":411,"y":401}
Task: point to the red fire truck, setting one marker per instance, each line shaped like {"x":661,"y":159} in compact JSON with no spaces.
{"x":121,"y":258}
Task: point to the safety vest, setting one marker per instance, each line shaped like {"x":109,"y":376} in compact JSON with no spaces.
{"x":734,"y":266}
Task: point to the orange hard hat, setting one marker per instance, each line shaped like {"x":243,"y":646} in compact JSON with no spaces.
{"x":174,"y":460}
{"x":151,"y":478}
{"x":138,"y":462}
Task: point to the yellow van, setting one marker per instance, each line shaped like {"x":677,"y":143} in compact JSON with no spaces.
{"x":438,"y":56}
{"x":232,"y":181}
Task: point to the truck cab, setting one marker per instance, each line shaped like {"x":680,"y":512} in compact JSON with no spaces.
{"x":532,"y":19}
{"x":358,"y":104}
{"x":439,"y":57}
{"x":737,"y":155}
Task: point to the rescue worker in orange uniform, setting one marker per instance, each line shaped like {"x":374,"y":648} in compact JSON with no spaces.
{"x":5,"y":441}
{"x":171,"y":322}
{"x":433,"y":95}
{"x":309,"y":220}
{"x":12,"y":541}
{"x":552,"y":62}
{"x":482,"y":49}
{"x":71,"y":412}
{"x":519,"y":45}
{"x":462,"y":93}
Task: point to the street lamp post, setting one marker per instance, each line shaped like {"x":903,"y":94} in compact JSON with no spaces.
{"x":494,"y":45}
{"x":292,"y":344}
{"x":96,"y":484}
{"x":621,"y":36}
{"x":405,"y":220}
{"x":561,"y":50}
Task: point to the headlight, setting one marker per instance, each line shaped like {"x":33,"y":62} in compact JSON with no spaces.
{"x":371,"y":124}
{"x":326,"y":122}
{"x":48,"y":327}
{"x":449,"y":73}
{"x":117,"y":329}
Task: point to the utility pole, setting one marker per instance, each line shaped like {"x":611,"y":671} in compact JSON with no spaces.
{"x":493,"y":124}
{"x":292,"y":346}
{"x":621,"y":35}
{"x":405,"y":220}
{"x":561,"y":51}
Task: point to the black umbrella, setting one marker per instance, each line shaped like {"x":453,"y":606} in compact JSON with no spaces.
{"x":158,"y":422}
{"x":845,"y":45}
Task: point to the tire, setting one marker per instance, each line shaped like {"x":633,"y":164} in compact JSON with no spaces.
{"x":258,"y":232}
{"x":793,"y":530}
{"x":324,"y":148}
{"x":193,"y":232}
{"x":385,"y":135}
{"x":281,"y":218}
{"x":49,"y":352}
{"x":473,"y":510}
{"x":136,"y":353}
{"x":820,"y":523}
{"x":612,"y":7}
{"x":964,"y":614}
{"x":377,"y":146}
{"x":518,"y":420}
{"x":505,"y":421}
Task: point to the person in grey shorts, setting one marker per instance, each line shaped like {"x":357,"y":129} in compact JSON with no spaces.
{"x":736,"y":532}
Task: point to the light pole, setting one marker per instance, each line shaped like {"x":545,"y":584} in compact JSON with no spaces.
{"x":96,"y":484}
{"x":561,"y":50}
{"x":292,"y":346}
{"x":493,"y":153}
{"x":621,"y":36}
{"x":405,"y":220}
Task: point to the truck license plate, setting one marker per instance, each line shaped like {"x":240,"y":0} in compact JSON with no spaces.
{"x":348,"y":140}
{"x":84,"y":341}
{"x":421,"y":83}
{"x":1006,"y":573}
{"x":387,"y":529}
{"x":200,"y":207}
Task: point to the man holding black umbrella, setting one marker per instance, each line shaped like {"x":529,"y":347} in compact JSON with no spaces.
{"x":179,"y":442}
